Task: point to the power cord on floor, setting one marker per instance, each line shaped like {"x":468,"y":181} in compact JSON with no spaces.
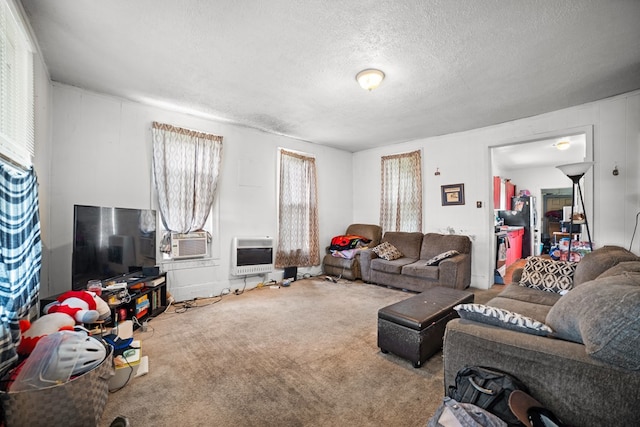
{"x":128,"y":377}
{"x":182,"y":307}
{"x":634,"y":232}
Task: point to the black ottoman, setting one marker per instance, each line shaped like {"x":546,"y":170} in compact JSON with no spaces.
{"x":413,"y":328}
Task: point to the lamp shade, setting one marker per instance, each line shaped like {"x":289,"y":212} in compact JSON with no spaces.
{"x":575,"y":169}
{"x":370,"y":79}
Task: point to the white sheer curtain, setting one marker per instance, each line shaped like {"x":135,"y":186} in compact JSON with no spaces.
{"x":186,"y":166}
{"x":298,"y":241}
{"x":401,"y":198}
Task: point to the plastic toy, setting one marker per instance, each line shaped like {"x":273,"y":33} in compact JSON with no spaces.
{"x":69,"y":309}
{"x":83,"y":306}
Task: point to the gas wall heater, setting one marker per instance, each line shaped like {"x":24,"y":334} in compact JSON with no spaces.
{"x":251,"y":255}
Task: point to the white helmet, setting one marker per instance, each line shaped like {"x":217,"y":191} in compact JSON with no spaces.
{"x":57,"y":357}
{"x":77,"y":353}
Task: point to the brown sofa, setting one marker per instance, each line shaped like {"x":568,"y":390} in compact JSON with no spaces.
{"x":410,"y":271}
{"x":588,"y":370}
{"x":350,"y":268}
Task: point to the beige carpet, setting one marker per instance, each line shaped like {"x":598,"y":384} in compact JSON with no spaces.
{"x":305,"y":355}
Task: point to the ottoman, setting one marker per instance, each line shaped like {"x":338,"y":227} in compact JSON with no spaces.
{"x":413,"y":328}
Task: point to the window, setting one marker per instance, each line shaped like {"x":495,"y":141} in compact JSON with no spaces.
{"x":298,"y":242}
{"x":186,"y":167}
{"x":401,"y":199}
{"x":16,"y":88}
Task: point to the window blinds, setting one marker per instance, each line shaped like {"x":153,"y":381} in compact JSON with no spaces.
{"x":16,"y":87}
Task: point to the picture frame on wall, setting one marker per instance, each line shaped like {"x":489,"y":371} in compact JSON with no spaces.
{"x":452,"y":194}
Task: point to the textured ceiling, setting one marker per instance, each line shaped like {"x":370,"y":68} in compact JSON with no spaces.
{"x":289,"y":67}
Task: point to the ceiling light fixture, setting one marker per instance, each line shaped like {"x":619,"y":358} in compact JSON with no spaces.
{"x":370,"y":79}
{"x":563,"y":145}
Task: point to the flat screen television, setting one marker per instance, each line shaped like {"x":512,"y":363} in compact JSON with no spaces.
{"x":111,"y":242}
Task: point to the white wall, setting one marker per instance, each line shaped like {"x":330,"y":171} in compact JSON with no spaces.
{"x":102,"y":156}
{"x":42,"y":161}
{"x":464,"y":158}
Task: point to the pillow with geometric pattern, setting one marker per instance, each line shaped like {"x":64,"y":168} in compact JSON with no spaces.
{"x":548,"y":275}
{"x":386,"y":250}
{"x":444,"y":255}
{"x":502,"y":318}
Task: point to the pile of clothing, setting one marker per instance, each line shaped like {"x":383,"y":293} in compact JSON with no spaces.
{"x":348,"y":245}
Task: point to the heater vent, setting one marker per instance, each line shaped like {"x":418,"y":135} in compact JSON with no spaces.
{"x":251,"y":255}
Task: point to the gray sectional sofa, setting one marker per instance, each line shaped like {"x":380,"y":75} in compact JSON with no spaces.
{"x":410,"y":270}
{"x":587,"y":371}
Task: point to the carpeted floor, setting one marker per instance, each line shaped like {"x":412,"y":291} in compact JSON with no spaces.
{"x":305,"y":355}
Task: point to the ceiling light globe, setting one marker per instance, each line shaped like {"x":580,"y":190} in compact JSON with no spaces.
{"x":370,"y":79}
{"x":563,"y":145}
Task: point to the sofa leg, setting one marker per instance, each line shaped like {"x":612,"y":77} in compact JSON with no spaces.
{"x":417,"y":364}
{"x":383,"y":351}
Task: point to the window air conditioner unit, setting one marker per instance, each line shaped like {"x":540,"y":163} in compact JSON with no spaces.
{"x":251,"y":255}
{"x":189,"y":245}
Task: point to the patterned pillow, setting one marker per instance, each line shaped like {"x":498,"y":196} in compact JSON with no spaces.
{"x":444,"y":255}
{"x":386,"y":250}
{"x":502,"y":318}
{"x":548,"y":275}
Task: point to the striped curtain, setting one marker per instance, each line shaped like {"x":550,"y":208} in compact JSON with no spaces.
{"x":20,"y":255}
{"x":401,"y":198}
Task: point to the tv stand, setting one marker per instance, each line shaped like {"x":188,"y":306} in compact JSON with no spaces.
{"x":147,"y":299}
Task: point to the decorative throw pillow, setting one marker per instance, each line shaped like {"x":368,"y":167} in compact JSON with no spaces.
{"x":386,"y":250}
{"x":502,"y":318}
{"x":444,"y":255}
{"x":603,"y":315}
{"x":548,"y":275}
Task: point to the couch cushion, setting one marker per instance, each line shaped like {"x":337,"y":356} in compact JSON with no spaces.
{"x":535,"y":311}
{"x":393,"y":267}
{"x":525,"y":294}
{"x":548,"y":275}
{"x":603,"y":314}
{"x":419,"y":269}
{"x":330,"y":260}
{"x":502,"y":318}
{"x":407,"y":242}
{"x":622,"y":268}
{"x":597,"y":262}
{"x":386,"y":250}
{"x":444,"y":255}
{"x":434,"y":244}
{"x":372,"y":232}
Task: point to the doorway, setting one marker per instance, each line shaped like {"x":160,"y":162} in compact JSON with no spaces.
{"x":531,"y":165}
{"x":553,"y":202}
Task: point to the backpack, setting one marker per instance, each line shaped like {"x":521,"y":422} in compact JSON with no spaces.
{"x":488,"y":389}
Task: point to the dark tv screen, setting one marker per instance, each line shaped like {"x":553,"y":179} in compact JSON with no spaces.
{"x":111,"y":242}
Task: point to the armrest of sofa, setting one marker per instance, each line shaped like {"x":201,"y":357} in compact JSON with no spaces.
{"x":366,"y":256}
{"x":560,"y":374}
{"x":455,"y":272}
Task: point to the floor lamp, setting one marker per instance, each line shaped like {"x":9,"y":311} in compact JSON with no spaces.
{"x":575,"y":172}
